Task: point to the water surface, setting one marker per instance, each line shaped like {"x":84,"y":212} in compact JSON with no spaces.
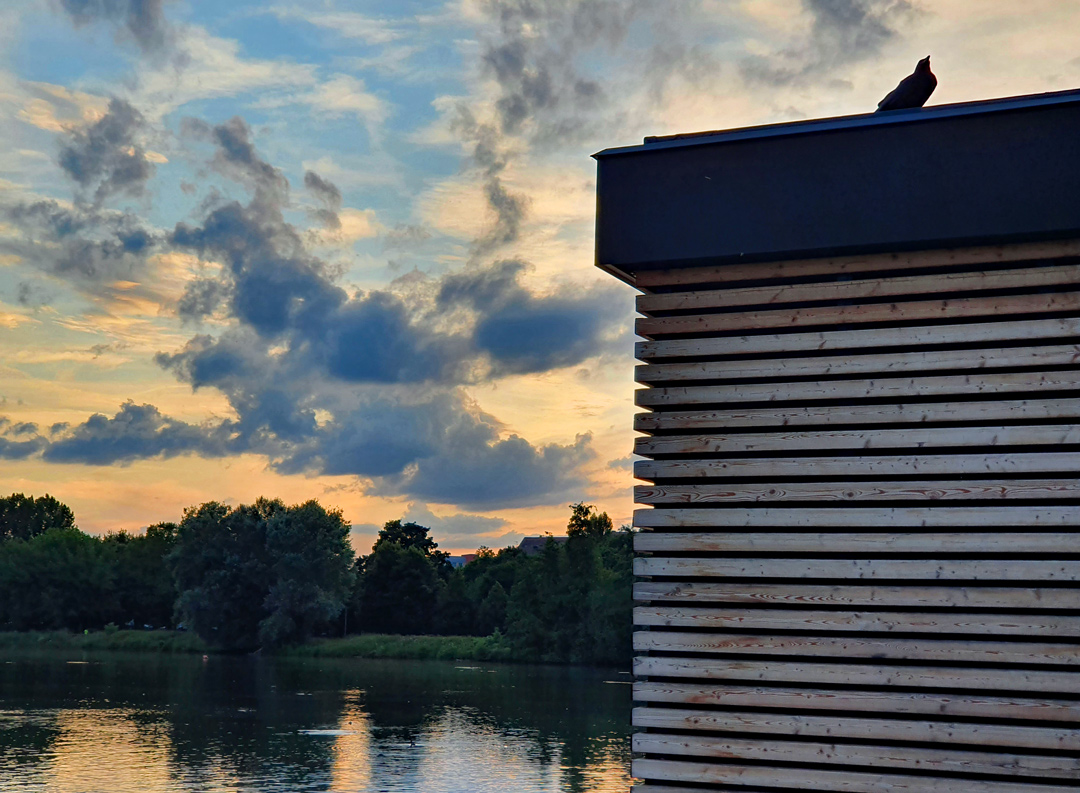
{"x":84,"y":723}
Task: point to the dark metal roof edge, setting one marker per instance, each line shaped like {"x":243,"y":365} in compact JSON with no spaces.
{"x":1004,"y":104}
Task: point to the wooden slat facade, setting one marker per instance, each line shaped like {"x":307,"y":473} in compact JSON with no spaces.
{"x":859,"y":561}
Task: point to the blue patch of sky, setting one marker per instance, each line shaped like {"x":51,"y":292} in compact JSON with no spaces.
{"x":269,"y":37}
{"x":49,"y":49}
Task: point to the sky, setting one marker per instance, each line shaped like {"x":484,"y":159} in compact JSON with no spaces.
{"x":344,"y":250}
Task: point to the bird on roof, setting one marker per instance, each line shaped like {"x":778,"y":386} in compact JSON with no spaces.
{"x":913,"y":90}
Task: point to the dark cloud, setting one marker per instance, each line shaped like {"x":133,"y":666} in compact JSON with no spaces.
{"x":81,"y":243}
{"x":842,"y":32}
{"x":136,"y":432}
{"x":106,"y":158}
{"x":522,"y":332}
{"x":142,"y":20}
{"x":202,"y":298}
{"x":537,"y":52}
{"x":498,"y":473}
{"x":20,"y":440}
{"x":328,"y":195}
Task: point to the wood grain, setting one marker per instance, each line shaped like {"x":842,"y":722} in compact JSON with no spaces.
{"x":864,"y":675}
{"x":849,"y":265}
{"x":1062,"y":739}
{"x":947,"y":650}
{"x":861,"y":289}
{"x":980,"y":490}
{"x":858,"y":595}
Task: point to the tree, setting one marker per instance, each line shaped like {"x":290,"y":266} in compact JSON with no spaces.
{"x":57,"y":579}
{"x":399,"y":590}
{"x":260,"y":575}
{"x":585,"y":521}
{"x":24,"y":517}
{"x":145,"y":590}
{"x":410,"y":535}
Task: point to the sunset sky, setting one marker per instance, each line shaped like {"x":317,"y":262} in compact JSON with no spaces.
{"x":343,"y":250}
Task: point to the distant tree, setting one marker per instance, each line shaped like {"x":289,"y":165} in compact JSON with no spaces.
{"x":585,"y":521}
{"x":60,"y":578}
{"x":23,"y":517}
{"x":399,"y":590}
{"x":145,"y":590}
{"x":260,"y":575}
{"x":410,"y":535}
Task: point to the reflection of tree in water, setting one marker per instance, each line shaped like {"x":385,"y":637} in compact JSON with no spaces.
{"x":241,"y":720}
{"x":244,"y":715}
{"x":566,"y":713}
{"x":25,"y":740}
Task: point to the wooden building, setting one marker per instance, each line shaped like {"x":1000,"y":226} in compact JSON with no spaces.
{"x":860,"y":555}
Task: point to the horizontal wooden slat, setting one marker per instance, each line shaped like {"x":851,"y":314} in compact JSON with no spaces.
{"x":910,"y":286}
{"x":895,"y":363}
{"x":863,"y":569}
{"x":1062,"y":739}
{"x":848,"y":647}
{"x":949,"y":761}
{"x":848,"y":265}
{"x":868,"y":675}
{"x":911,"y":337}
{"x":908,"y":438}
{"x":859,"y":595}
{"x":945,"y":706}
{"x":817,"y":416}
{"x":991,"y":489}
{"x":883,"y":388}
{"x":915,"y":311}
{"x":915,"y":517}
{"x":925,"y":465}
{"x":809,"y":621}
{"x":980,"y":542}
{"x":813,"y":779}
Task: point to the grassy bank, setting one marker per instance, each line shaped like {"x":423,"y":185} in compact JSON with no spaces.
{"x":435,"y":648}
{"x":120,"y":641}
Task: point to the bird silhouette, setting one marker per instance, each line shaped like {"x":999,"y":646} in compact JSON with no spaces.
{"x":913,"y":90}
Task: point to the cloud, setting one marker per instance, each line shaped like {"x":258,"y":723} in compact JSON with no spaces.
{"x":842,"y":32}
{"x":522,"y":332}
{"x":106,"y":156}
{"x":84,"y":245}
{"x":143,"y":21}
{"x":339,"y":96}
{"x":459,"y":524}
{"x":136,"y":432}
{"x":328,"y":195}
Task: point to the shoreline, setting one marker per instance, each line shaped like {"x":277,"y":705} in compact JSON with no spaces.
{"x":435,"y":648}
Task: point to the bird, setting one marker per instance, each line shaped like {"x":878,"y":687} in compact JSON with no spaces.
{"x":913,"y":90}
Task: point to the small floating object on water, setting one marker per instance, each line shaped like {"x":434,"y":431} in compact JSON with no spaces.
{"x":328,"y":732}
{"x":206,"y":658}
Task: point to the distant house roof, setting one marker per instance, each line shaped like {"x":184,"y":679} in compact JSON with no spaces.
{"x":534,"y":545}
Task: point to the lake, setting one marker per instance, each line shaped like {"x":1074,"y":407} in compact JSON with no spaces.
{"x":83,"y":723}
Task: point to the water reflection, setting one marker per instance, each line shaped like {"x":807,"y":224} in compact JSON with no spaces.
{"x":152,"y":723}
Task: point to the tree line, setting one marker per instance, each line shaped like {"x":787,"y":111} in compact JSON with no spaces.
{"x":267,"y":575}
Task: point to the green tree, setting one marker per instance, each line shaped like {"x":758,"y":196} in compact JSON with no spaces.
{"x":399,"y":590}
{"x":261,"y":574}
{"x":410,"y":535}
{"x":24,"y":517}
{"x":144,"y":586}
{"x":60,"y":578}
{"x":585,"y":521}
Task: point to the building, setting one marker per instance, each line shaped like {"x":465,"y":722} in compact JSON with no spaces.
{"x":861,"y":417}
{"x":531,"y":546}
